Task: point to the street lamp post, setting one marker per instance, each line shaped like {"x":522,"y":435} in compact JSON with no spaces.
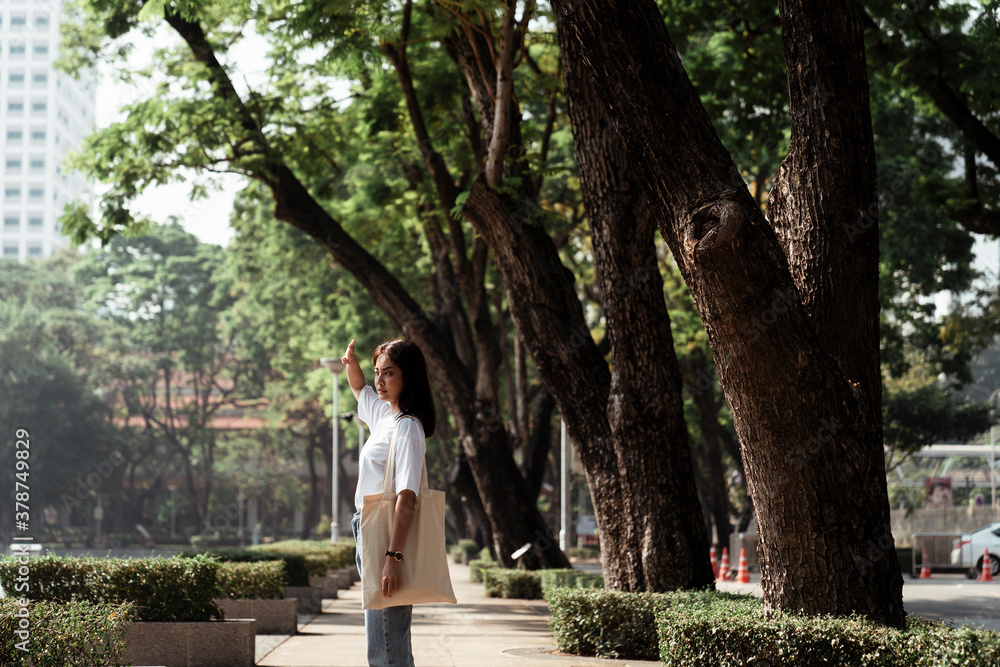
{"x":336,"y":367}
{"x":171,"y":488}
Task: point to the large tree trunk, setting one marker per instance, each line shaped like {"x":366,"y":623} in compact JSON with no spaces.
{"x":667,"y":546}
{"x":806,"y":429}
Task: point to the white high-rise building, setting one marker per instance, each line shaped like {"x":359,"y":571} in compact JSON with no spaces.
{"x":44,"y":114}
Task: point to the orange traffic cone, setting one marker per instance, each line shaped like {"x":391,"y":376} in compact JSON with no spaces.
{"x":724,"y":567}
{"x":743,"y":575}
{"x":925,"y":571}
{"x":715,"y":562}
{"x":987,"y":567}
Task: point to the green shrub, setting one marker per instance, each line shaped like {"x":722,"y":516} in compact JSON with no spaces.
{"x":295,"y":571}
{"x":739,"y":632}
{"x":607,"y":624}
{"x":589,"y":580}
{"x":257,"y":581}
{"x":464,"y":551}
{"x":476,"y":569}
{"x":584,"y":553}
{"x":179,"y":589}
{"x":564,"y":577}
{"x":64,"y":634}
{"x":320,"y":556}
{"x":517,"y":584}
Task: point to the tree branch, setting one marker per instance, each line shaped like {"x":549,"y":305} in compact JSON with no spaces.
{"x":504,"y":95}
{"x":937,"y":88}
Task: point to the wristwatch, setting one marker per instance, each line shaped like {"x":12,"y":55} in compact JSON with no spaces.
{"x":396,"y":555}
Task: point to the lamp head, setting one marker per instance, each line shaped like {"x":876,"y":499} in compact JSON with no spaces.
{"x":332,"y":364}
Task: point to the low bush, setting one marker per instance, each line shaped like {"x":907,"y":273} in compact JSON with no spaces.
{"x":476,"y":568}
{"x":584,"y":553}
{"x":464,"y":551}
{"x":739,"y":632}
{"x":606,"y":624}
{"x":295,"y":571}
{"x":256,"y":581}
{"x":319,"y":556}
{"x":557,"y":578}
{"x":519,"y":584}
{"x":179,"y":589}
{"x":63,"y":634}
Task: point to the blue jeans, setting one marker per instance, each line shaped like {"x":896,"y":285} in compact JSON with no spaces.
{"x":387,"y":631}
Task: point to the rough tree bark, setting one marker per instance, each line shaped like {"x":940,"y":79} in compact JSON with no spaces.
{"x":804,"y":417}
{"x":667,"y":543}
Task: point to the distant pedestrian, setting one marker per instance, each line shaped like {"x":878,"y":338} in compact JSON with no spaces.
{"x":401,"y":390}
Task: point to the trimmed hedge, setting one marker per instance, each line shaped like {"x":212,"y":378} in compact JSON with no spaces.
{"x":607,"y":624}
{"x":61,"y":634}
{"x":569,"y":578}
{"x":476,"y":568}
{"x":740,"y":632}
{"x":717,"y":629}
{"x":179,"y":589}
{"x":465,"y":549}
{"x":256,"y":581}
{"x":584,"y":553}
{"x":295,"y":571}
{"x":520,"y":584}
{"x":319,"y":556}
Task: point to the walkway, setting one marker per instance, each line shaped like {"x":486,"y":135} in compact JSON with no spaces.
{"x":477,"y":632}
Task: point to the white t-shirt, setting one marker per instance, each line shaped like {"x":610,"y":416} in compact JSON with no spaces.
{"x":410,"y":448}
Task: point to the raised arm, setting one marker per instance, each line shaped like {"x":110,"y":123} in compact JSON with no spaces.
{"x":355,"y":376}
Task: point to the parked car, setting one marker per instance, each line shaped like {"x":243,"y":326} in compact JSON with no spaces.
{"x":968,"y":550}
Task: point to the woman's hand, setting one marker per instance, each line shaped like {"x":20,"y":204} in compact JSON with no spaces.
{"x":355,"y":377}
{"x":349,"y":357}
{"x":392,"y":576}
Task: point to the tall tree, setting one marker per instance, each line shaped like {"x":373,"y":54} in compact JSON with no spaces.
{"x":790,"y":305}
{"x":46,"y":404}
{"x":179,"y":366}
{"x":459,"y":335}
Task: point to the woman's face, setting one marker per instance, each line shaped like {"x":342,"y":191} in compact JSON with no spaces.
{"x":388,"y":379}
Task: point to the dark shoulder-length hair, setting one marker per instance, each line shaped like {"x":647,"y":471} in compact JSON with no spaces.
{"x":415,"y":400}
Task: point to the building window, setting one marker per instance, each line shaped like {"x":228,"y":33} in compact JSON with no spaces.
{"x":39,"y":107}
{"x":36,"y":193}
{"x":14,"y":136}
{"x":39,"y":79}
{"x":11,"y":223}
{"x":34,"y":221}
{"x":40,"y":51}
{"x":37,"y":136}
{"x":10,"y":251}
{"x":15,"y":79}
{"x":12,"y":193}
{"x":36,"y":164}
{"x":18,"y":21}
{"x":17,"y":51}
{"x":14,"y":165}
{"x":41,"y":21}
{"x":34,"y":251}
{"x":15,"y":108}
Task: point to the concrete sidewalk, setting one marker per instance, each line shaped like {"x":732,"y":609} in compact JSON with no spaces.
{"x":477,"y":632}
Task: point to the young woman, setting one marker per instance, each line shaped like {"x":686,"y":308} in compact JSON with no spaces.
{"x":401,"y":390}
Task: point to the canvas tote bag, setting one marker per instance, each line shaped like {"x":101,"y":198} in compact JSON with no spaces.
{"x":425,"y":576}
